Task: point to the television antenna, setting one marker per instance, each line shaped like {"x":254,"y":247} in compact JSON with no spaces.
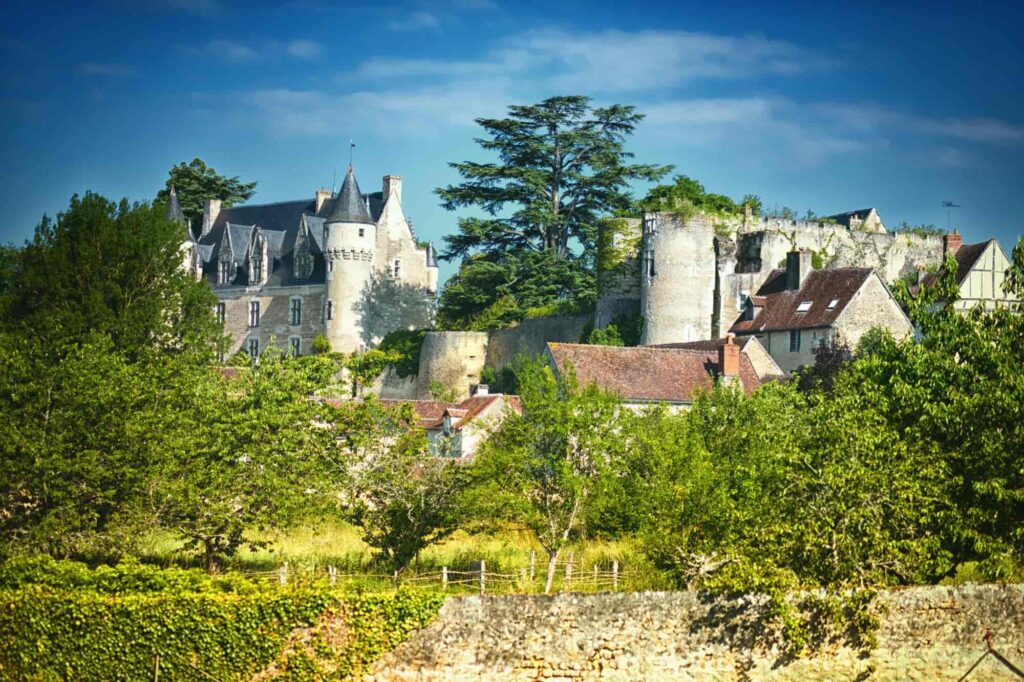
{"x":949,"y":206}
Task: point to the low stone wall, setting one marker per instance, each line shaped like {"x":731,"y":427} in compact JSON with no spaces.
{"x":926,"y":633}
{"x":529,"y":337}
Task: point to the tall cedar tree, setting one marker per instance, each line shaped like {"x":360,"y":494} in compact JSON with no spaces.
{"x":196,"y":182}
{"x":561,"y":167}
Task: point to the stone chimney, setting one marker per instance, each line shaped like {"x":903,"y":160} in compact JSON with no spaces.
{"x":951,"y":243}
{"x":210,"y":212}
{"x":322,"y":195}
{"x":798,"y":266}
{"x":393,"y":183}
{"x":729,"y":359}
{"x":481,"y":389}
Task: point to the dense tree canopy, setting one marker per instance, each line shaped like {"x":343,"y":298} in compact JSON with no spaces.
{"x":108,"y":269}
{"x":196,"y":182}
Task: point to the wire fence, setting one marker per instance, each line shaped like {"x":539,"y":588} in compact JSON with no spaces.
{"x":568,"y":575}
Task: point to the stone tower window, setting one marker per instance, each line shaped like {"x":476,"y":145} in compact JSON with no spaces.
{"x":396,"y":268}
{"x":295,"y":312}
{"x":362,"y":231}
{"x":648,"y":264}
{"x":254,"y":313}
{"x":330,"y":310}
{"x":221,"y":312}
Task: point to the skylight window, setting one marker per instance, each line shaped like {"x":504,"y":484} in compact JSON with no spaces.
{"x":804,"y":306}
{"x":833,"y":303}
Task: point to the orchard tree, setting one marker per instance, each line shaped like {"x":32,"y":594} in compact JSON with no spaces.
{"x":196,"y":182}
{"x":561,"y":166}
{"x":403,"y":498}
{"x":545,"y":468}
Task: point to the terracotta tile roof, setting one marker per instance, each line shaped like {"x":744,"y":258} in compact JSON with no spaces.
{"x":431,"y":412}
{"x":786,"y":309}
{"x":647,"y":373}
{"x":711,"y":344}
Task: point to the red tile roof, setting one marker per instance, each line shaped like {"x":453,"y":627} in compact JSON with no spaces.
{"x":711,"y":344}
{"x":780,"y":310}
{"x":647,"y":373}
{"x":431,"y":412}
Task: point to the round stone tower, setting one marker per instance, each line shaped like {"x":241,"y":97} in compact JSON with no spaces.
{"x":349,"y":238}
{"x":678,"y":278}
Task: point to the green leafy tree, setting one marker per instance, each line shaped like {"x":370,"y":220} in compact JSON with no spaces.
{"x":545,"y":468}
{"x":561,"y":167}
{"x":196,"y":182}
{"x":112,"y":269}
{"x":242,"y":454}
{"x":402,"y":498}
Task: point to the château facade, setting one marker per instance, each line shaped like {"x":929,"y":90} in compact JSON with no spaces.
{"x":286,"y":272}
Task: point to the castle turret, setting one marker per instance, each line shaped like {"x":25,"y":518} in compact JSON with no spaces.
{"x":349,"y":238}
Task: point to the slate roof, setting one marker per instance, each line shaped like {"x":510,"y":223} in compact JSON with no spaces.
{"x":780,"y":306}
{"x":844,"y":218}
{"x":646,"y":373}
{"x":174,"y":211}
{"x":350,"y":207}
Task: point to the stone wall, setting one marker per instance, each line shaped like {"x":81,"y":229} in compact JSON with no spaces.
{"x":529,"y":337}
{"x":926,"y":633}
{"x":275,"y":317}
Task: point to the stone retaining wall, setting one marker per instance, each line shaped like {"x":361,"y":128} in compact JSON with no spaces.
{"x":926,"y":633}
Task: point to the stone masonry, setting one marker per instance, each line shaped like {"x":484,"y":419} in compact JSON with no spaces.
{"x":926,"y":633}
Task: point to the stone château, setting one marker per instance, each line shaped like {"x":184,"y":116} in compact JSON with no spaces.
{"x":286,"y":272}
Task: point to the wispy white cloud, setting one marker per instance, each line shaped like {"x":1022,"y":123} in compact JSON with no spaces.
{"x":105,"y":69}
{"x":230,"y":50}
{"x":616,"y":61}
{"x":304,"y":49}
{"x":874,"y":117}
{"x":419,"y":20}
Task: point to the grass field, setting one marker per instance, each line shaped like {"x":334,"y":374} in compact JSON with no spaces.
{"x":310,"y":550}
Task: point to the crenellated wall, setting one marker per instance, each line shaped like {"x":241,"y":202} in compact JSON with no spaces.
{"x":694,"y":273}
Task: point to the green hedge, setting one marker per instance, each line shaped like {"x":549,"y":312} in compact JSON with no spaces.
{"x":109,"y":623}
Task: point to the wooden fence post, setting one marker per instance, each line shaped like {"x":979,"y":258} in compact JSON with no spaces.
{"x":533,"y":564}
{"x":395,"y":578}
{"x":332,"y":571}
{"x":283,"y":573}
{"x":596,"y":578}
{"x":615,"y":575}
{"x":156,"y":667}
{"x":568,"y":571}
{"x":483,"y":573}
{"x":522,"y":579}
{"x":444,"y":577}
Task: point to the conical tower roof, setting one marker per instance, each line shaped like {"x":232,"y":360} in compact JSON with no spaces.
{"x":349,"y":207}
{"x":174,"y":211}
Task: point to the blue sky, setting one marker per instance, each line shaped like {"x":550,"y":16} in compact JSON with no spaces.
{"x":807,"y":105}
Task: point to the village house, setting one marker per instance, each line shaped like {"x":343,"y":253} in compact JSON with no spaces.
{"x":798,"y":309}
{"x":980,"y":271}
{"x":673,"y":376}
{"x":456,"y":429}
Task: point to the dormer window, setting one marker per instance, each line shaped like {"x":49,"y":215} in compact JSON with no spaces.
{"x":256,"y":264}
{"x":224,"y":272}
{"x":804,"y":306}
